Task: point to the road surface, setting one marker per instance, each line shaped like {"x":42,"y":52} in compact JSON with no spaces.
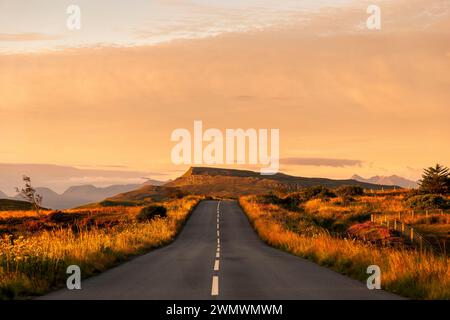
{"x":219,"y":256}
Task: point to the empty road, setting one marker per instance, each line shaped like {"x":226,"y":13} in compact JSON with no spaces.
{"x":219,"y":256}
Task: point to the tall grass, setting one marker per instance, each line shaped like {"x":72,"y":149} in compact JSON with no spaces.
{"x":33,"y":265}
{"x":408,"y":273}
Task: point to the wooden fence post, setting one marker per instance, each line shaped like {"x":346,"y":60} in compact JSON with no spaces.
{"x":412,"y":234}
{"x":403,"y":228}
{"x":395,"y":225}
{"x":388,"y":224}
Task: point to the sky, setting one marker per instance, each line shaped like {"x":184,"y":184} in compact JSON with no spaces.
{"x":140,"y":22}
{"x":347,"y":100}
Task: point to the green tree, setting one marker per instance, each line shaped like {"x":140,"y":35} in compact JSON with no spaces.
{"x":29,"y":194}
{"x":435,"y":180}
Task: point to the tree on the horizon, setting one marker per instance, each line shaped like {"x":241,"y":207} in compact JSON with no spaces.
{"x":435,"y":180}
{"x":29,"y":194}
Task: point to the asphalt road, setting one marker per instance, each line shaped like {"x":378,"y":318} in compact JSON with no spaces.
{"x":219,"y":256}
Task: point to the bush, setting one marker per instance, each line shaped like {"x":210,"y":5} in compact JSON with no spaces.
{"x":150,"y":212}
{"x":428,"y":201}
{"x":293,"y":201}
{"x":63,"y":217}
{"x":113,"y":203}
{"x":349,"y":191}
{"x":269,"y":199}
{"x":318,"y":192}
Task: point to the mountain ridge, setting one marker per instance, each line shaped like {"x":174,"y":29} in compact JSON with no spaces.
{"x":75,"y":196}
{"x":233,"y":182}
{"x":388,"y":180}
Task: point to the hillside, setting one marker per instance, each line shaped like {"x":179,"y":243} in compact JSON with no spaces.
{"x":14,"y":205}
{"x":231,"y":183}
{"x":3,"y":195}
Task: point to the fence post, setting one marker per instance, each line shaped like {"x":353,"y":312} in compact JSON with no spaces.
{"x":421,"y":244}
{"x":395,"y":225}
{"x":412,"y":213}
{"x":399,"y":215}
{"x":387,"y":224}
{"x":403,"y":228}
{"x":412,"y":234}
{"x":371,"y":217}
{"x":385,"y":217}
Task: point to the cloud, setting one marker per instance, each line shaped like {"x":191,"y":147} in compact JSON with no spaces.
{"x":328,"y":162}
{"x":28,"y":36}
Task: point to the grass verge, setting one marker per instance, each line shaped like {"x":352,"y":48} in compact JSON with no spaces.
{"x":33,"y":265}
{"x":404,"y":272}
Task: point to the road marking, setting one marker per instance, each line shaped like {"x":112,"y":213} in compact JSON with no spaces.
{"x":215,"y":286}
{"x":215,"y":279}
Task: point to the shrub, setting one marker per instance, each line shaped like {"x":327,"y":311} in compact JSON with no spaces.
{"x":150,"y":212}
{"x":349,"y":191}
{"x":269,"y":199}
{"x":318,"y":192}
{"x":428,"y":201}
{"x":293,"y":201}
{"x":63,"y":217}
{"x":114,"y":203}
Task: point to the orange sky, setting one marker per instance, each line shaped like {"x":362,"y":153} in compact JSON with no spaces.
{"x":335,"y":92}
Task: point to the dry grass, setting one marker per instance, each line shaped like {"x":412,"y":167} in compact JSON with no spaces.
{"x":408,"y":273}
{"x":32,"y":265}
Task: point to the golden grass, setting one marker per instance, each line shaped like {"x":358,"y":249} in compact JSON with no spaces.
{"x":33,"y":265}
{"x":408,"y":273}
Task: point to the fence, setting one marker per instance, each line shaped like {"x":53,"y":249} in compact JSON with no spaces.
{"x":393,"y":222}
{"x":413,"y":214}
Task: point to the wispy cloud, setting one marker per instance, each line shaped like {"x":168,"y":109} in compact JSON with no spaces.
{"x":328,"y":162}
{"x":28,"y":36}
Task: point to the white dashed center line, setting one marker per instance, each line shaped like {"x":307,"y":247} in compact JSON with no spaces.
{"x":215,"y":286}
{"x":216,"y":265}
{"x":215,"y":278}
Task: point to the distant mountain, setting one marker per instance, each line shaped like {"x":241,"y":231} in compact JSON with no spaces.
{"x":232,"y":183}
{"x":3,"y":195}
{"x":388,"y":180}
{"x":79,"y":195}
{"x":152,"y":182}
